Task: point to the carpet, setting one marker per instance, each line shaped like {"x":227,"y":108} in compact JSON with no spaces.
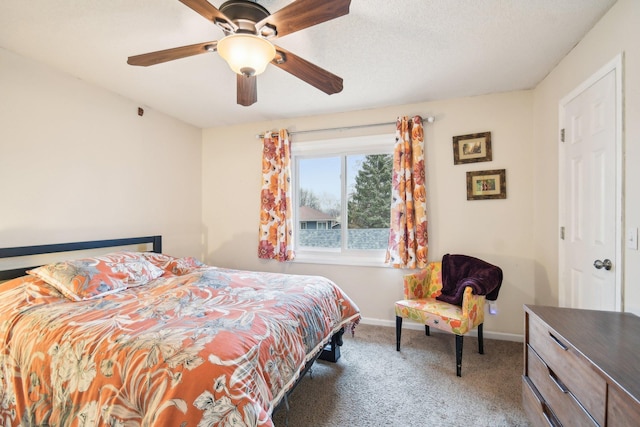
{"x":374,"y":385}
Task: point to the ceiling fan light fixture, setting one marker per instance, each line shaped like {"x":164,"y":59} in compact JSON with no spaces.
{"x":246,"y":54}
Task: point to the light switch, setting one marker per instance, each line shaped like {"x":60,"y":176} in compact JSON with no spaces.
{"x":632,"y":238}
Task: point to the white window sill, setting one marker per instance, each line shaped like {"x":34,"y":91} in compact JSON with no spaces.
{"x":340,"y":259}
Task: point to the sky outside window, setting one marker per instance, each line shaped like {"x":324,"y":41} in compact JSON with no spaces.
{"x":321,"y":175}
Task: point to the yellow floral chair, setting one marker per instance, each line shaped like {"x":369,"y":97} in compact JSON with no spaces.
{"x":420,"y":305}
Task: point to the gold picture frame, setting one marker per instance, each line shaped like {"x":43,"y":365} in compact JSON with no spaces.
{"x":472,"y":148}
{"x":488,"y":184}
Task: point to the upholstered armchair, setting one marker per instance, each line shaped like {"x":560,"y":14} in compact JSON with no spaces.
{"x":460,"y":309}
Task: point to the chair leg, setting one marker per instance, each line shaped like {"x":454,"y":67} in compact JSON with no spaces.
{"x":426,"y":330}
{"x":459,"y":355}
{"x":480,"y":340}
{"x":398,"y":331}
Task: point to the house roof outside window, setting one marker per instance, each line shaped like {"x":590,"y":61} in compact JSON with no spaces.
{"x":306,"y":213}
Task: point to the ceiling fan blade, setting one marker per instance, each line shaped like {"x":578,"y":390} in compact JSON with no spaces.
{"x":207,"y":10}
{"x":247,"y":90}
{"x":302,"y":14}
{"x":160,"y":56}
{"x":317,"y":77}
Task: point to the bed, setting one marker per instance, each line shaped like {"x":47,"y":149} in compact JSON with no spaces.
{"x":140,"y":338}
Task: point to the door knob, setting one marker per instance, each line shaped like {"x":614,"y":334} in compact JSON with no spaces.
{"x":599,"y":264}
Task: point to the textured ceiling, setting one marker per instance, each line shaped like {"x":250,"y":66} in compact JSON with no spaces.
{"x":388,"y":52}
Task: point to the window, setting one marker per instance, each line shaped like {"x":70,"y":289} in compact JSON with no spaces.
{"x":342,"y":196}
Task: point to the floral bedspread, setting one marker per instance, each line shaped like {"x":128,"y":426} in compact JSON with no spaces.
{"x":212,"y":347}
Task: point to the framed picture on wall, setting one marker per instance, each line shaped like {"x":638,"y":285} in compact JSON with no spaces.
{"x":489,"y":184}
{"x":475,"y":147}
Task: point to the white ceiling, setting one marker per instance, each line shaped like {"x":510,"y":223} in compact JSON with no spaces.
{"x":389,"y":52}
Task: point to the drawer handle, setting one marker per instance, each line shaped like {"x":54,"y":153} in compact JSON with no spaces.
{"x":557,"y":341}
{"x":547,"y":416}
{"x":563,"y":388}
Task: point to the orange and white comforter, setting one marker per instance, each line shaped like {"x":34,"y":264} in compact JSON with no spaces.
{"x":211,"y":347}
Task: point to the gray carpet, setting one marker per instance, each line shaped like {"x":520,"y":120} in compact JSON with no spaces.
{"x":374,"y":385}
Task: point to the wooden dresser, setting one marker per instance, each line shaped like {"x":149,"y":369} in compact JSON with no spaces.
{"x":581,"y":367}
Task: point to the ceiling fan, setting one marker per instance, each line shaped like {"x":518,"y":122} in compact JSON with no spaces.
{"x":248,"y":25}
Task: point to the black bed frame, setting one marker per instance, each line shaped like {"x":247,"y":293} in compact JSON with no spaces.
{"x":156,"y":242}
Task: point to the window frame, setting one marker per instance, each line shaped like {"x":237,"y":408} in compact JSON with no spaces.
{"x":334,"y":147}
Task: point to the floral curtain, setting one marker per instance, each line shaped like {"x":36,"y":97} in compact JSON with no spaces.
{"x":275,"y":239}
{"x":408,"y":239}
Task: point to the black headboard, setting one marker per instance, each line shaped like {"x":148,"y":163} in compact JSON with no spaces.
{"x":156,"y":242}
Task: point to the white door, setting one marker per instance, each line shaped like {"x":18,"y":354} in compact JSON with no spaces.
{"x":590,"y":196}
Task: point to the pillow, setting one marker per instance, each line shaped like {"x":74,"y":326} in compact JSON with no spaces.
{"x":180,"y":266}
{"x":172,"y":265}
{"x":94,"y":277}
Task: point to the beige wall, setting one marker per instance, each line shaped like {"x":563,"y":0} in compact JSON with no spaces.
{"x":78,"y":163}
{"x":499,"y":231}
{"x":617,"y":32}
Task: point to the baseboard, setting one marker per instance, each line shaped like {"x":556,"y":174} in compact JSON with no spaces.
{"x":412,"y":325}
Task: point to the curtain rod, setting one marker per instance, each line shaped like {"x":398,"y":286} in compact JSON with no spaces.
{"x":428,"y":119}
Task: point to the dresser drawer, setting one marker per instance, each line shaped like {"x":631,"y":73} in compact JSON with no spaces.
{"x":556,"y":394}
{"x":570,"y":367}
{"x":535,"y":407}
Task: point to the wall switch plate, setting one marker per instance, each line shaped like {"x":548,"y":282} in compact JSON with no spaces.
{"x":632,"y":238}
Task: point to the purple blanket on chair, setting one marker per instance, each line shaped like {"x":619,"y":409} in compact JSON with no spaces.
{"x":460,"y":271}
